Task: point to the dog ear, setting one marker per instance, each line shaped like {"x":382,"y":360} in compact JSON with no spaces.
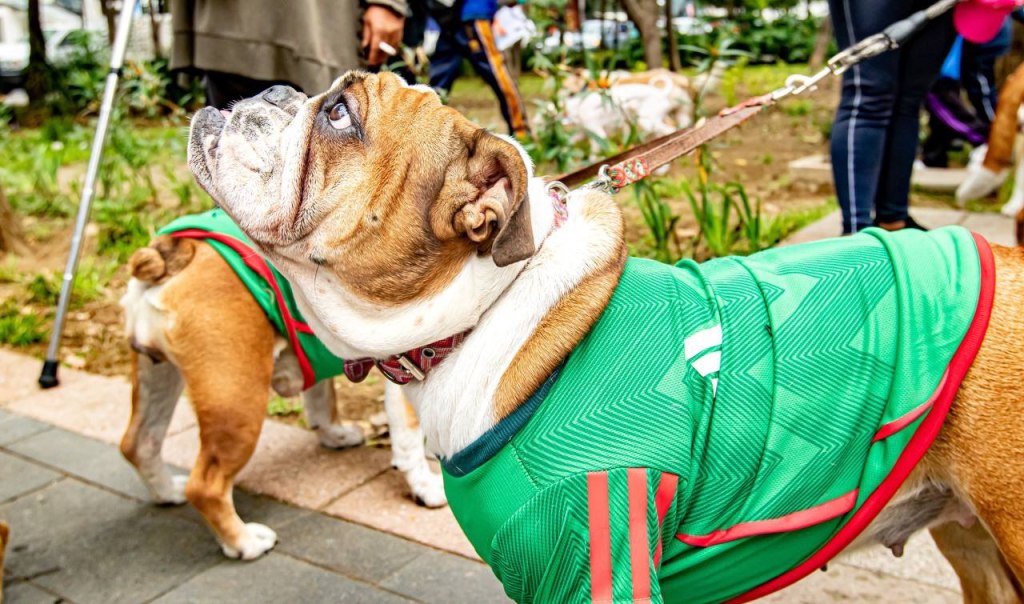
{"x":498,"y":221}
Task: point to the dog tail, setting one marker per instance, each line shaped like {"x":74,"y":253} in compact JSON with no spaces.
{"x":165,"y":257}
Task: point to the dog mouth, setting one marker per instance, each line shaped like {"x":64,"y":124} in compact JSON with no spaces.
{"x":237,"y":158}
{"x":205,"y":132}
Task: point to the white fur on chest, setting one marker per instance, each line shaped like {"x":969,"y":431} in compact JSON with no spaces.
{"x":456,"y":402}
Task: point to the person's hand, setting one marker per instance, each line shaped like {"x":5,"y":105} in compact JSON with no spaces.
{"x":381,"y":24}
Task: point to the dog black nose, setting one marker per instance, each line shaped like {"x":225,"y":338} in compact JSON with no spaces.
{"x":279,"y":95}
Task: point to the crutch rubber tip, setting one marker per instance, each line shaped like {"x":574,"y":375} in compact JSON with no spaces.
{"x":48,"y":378}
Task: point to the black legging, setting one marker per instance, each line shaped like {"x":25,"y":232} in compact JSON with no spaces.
{"x":875,"y":133}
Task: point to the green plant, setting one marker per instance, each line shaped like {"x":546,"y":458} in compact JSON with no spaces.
{"x":90,"y":284}
{"x":758,"y":231}
{"x":797,"y":108}
{"x":278,"y":406}
{"x":19,"y":326}
{"x":9,"y":272}
{"x":712,"y":208}
{"x":661,"y":221}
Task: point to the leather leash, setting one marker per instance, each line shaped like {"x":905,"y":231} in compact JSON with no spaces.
{"x":635,"y":164}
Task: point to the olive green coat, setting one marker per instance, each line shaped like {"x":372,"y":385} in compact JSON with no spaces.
{"x":306,"y":42}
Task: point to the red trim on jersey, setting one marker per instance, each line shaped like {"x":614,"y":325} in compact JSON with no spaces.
{"x":900,"y":423}
{"x":257,"y":263}
{"x":919,"y":442}
{"x":639,"y":543}
{"x":663,"y":499}
{"x":600,"y":537}
{"x":783,"y":524}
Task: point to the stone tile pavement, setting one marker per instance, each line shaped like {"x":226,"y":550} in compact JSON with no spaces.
{"x":83,"y":530}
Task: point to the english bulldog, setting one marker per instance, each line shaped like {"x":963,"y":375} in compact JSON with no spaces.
{"x":193,"y":324}
{"x":614,"y":429}
{"x":654,"y":102}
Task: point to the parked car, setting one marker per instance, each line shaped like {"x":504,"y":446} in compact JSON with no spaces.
{"x":14,"y":55}
{"x":593,"y":33}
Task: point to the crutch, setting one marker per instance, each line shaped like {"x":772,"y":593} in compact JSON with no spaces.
{"x":48,"y":377}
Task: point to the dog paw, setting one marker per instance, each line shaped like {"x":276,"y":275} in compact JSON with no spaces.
{"x":427,"y":488}
{"x":173,"y":493}
{"x":1013,"y":206}
{"x":336,"y":436}
{"x":257,"y":540}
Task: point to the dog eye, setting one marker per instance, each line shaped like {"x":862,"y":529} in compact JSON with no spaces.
{"x":339,"y":117}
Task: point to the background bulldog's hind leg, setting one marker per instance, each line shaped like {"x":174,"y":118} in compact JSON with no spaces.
{"x":320,"y":402}
{"x":407,"y":451}
{"x":225,"y":351}
{"x":156,"y":387}
{"x":230,"y":412}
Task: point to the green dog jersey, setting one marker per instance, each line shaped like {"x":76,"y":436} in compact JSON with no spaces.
{"x":268,"y":287}
{"x":726,"y":428}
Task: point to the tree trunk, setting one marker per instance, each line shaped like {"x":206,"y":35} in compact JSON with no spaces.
{"x":821,"y":44}
{"x":154,"y":25}
{"x":10,"y":234}
{"x":675,"y":63}
{"x":644,"y":14}
{"x":37,"y":77}
{"x":110,"y":12}
{"x":572,"y":15}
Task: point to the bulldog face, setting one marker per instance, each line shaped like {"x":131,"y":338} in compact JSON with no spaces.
{"x":385,"y":209}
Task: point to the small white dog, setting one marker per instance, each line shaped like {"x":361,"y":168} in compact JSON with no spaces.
{"x":655,"y":102}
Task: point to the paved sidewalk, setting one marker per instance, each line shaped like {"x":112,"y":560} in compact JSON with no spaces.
{"x":995,"y":227}
{"x":83,"y":530}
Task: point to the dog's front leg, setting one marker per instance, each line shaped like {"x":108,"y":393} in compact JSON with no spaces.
{"x":407,"y":452}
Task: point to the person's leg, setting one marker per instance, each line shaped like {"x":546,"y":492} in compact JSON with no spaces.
{"x":919,"y":63}
{"x":225,"y":89}
{"x":945,"y":103}
{"x":979,"y":72}
{"x":489,"y":64}
{"x":937,"y":145}
{"x":862,"y":119}
{"x":446,"y":62}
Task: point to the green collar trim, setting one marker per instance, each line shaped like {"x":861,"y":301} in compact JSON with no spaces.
{"x":487,"y":446}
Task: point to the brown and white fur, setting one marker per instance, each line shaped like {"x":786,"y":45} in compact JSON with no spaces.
{"x":193,"y":324}
{"x":396,"y":236}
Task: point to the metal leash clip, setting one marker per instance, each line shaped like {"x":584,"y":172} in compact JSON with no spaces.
{"x":603,"y":182}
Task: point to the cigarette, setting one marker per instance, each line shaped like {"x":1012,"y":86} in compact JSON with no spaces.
{"x":387,"y":48}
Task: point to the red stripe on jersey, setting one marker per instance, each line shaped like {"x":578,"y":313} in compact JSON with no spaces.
{"x":639,"y":545}
{"x":790,"y":522}
{"x":663,"y":499}
{"x":600,"y":537}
